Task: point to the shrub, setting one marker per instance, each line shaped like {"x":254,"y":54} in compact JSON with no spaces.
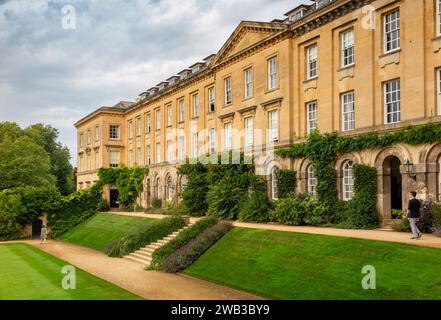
{"x":403,"y":226}
{"x":361,"y":212}
{"x":286,"y":183}
{"x":144,"y":237}
{"x":436,"y":214}
{"x":257,"y":206}
{"x":289,"y":211}
{"x":224,"y":201}
{"x":103,"y":206}
{"x":156,"y":203}
{"x":182,"y":239}
{"x":183,"y":257}
{"x":316,"y":213}
{"x":426,"y":222}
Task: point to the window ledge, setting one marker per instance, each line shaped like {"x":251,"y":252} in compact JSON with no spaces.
{"x":392,"y":57}
{"x":267,"y":91}
{"x":436,"y":43}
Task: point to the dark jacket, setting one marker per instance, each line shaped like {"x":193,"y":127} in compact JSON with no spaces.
{"x":414,"y":208}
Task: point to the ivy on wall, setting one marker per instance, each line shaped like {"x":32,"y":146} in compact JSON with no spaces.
{"x":286,"y":183}
{"x":323,"y":150}
{"x":129,"y":181}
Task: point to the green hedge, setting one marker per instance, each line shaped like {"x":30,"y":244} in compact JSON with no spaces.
{"x":361,"y":210}
{"x":182,"y":239}
{"x":183,"y":257}
{"x":257,"y":205}
{"x":286,"y":183}
{"x":300,"y":210}
{"x":144,"y":237}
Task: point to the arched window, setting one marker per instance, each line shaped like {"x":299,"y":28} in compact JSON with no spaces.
{"x":274,"y":181}
{"x":158,"y":188}
{"x":348,"y":180}
{"x":170,"y":189}
{"x":311,"y":181}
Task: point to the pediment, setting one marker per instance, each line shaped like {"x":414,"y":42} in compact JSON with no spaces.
{"x":245,"y":36}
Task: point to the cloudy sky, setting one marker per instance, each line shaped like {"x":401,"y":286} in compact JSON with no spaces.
{"x":118,"y":49}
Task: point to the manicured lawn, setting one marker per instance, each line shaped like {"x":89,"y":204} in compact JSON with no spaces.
{"x":103,"y":228}
{"x":283,"y":265}
{"x":27,"y":273}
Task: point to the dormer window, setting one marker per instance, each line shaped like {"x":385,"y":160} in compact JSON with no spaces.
{"x":321,"y":3}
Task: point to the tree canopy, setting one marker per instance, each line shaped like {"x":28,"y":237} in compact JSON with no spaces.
{"x":33,"y":157}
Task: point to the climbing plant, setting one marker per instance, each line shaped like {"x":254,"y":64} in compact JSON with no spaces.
{"x":129,"y":181}
{"x":286,"y":183}
{"x":323,"y":150}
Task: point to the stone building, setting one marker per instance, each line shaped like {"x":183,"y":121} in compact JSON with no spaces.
{"x":351,"y":66}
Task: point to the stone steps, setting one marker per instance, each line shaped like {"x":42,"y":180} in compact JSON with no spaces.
{"x":143,"y":256}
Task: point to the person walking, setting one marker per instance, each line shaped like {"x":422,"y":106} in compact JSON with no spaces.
{"x":413,"y":215}
{"x":43,"y":235}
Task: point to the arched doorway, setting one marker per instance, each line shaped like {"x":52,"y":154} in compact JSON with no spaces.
{"x":36,"y":228}
{"x":396,"y":184}
{"x":392,"y":185}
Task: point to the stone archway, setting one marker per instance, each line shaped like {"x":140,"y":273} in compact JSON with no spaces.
{"x":392,"y":181}
{"x":432,"y":162}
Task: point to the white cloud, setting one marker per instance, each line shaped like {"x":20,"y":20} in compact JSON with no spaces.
{"x":119,"y":49}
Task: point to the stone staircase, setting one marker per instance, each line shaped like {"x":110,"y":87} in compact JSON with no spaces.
{"x":143,"y":256}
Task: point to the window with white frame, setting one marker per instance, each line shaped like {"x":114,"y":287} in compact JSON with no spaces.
{"x":139,"y":156}
{"x":148,"y":123}
{"x":248,"y":80}
{"x":97,"y":133}
{"x":348,"y":111}
{"x":274,"y":183}
{"x":228,"y":92}
{"x":158,"y":152}
{"x":392,"y":31}
{"x":181,"y":149}
{"x":148,"y":155}
{"x":196,"y":105}
{"x":438,"y":89}
{"x":211,"y":141}
{"x":228,"y":144}
{"x":131,"y":158}
{"x":311,"y":62}
{"x":195,"y":145}
{"x":347,"y":48}
{"x":114,"y":132}
{"x":273,"y":125}
{"x":139,"y":126}
{"x":311,"y":116}
{"x":131,"y":131}
{"x":170,"y":156}
{"x":311,"y":181}
{"x":249,"y":132}
{"x":392,"y":101}
{"x":438,"y":17}
{"x":211,"y":99}
{"x":348,"y":181}
{"x":273,"y":73}
{"x":158,"y":119}
{"x":181,"y":110}
{"x":169,"y":115}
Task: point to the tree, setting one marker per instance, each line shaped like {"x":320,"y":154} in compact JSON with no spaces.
{"x":46,"y":136}
{"x":24,"y":163}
